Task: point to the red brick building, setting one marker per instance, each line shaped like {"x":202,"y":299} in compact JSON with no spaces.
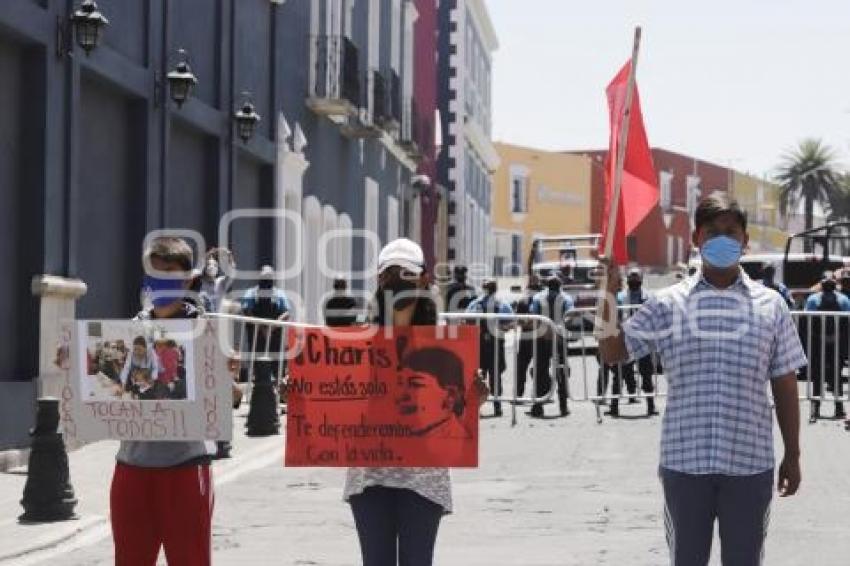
{"x":663,"y":239}
{"x":423,"y":112}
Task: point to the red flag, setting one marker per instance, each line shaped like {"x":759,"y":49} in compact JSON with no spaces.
{"x":639,"y":192}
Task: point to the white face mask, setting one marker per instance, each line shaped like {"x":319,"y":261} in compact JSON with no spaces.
{"x":212,"y":269}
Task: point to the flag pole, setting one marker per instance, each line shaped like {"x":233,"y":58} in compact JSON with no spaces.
{"x":614,"y":206}
{"x":621,"y":149}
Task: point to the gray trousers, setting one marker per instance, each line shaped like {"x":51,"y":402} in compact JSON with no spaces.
{"x":741,"y":505}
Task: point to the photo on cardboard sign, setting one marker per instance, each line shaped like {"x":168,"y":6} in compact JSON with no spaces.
{"x":138,"y":360}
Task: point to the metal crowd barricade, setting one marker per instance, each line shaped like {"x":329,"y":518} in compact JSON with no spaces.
{"x":596,"y":377}
{"x":244,"y":341}
{"x":508,"y":327}
{"x":825,"y":337}
{"x":826,"y":341}
{"x":239,"y":339}
{"x":580,"y":348}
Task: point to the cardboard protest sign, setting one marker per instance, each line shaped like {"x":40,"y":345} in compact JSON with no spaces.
{"x":368,"y":399}
{"x":153,"y":380}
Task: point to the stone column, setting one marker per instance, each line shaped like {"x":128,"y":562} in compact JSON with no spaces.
{"x":58,"y":303}
{"x":291,"y":166}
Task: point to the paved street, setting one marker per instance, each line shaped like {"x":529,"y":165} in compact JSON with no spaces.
{"x":306,"y":163}
{"x":555,"y":492}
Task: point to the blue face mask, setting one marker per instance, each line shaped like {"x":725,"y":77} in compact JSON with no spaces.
{"x":162,"y":292}
{"x":721,"y":251}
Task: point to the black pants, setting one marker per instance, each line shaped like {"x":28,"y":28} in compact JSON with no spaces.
{"x":826,"y":346}
{"x":544,"y":378}
{"x":523,"y":360}
{"x":627,"y":375}
{"x":396,"y":527}
{"x":739,"y":504}
{"x":825,"y":371}
{"x":493,"y":365}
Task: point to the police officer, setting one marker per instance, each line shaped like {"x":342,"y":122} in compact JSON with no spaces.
{"x":269,"y":302}
{"x":554,"y":303}
{"x":492,"y":340}
{"x":769,"y":280}
{"x":341,"y":309}
{"x":459,"y":294}
{"x":633,"y":295}
{"x":526,"y":341}
{"x":826,"y":335}
{"x":843,"y":277}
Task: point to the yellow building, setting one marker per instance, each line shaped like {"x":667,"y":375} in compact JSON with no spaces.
{"x":760,"y":198}
{"x":536,"y":193}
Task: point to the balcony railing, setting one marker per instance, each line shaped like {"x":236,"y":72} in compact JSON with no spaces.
{"x":414,"y":131}
{"x":361,"y":124}
{"x":410,"y":122}
{"x":350,"y":72}
{"x":395,"y":97}
{"x":380,"y":110}
{"x":387,"y":109}
{"x":334,"y":82}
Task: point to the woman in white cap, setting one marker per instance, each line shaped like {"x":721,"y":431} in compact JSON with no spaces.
{"x":397,"y":511}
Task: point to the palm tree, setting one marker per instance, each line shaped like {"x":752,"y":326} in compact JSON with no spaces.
{"x":839,"y":205}
{"x":839,"y":209}
{"x":807,"y":173}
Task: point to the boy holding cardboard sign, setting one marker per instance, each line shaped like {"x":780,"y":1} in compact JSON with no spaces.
{"x":162,"y":492}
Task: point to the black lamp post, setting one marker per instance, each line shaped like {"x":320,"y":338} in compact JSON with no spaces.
{"x":246,"y":120}
{"x":88,"y":25}
{"x":181,"y":80}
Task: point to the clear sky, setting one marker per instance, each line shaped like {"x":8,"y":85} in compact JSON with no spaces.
{"x":735,"y":82}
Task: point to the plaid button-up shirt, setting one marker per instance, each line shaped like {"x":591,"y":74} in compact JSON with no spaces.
{"x":719,"y":349}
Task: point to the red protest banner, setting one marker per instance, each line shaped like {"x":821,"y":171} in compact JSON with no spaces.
{"x":386,"y":397}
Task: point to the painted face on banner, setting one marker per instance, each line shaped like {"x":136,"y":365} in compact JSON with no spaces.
{"x":421,"y":401}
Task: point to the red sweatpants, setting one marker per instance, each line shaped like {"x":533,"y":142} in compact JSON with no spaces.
{"x":169,"y":507}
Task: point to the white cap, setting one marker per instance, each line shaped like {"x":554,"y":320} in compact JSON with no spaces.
{"x":403,"y":253}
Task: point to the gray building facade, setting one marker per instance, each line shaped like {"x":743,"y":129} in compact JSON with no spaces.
{"x":468,"y":159}
{"x":95,"y":154}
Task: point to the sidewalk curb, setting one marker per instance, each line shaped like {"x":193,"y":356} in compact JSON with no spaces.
{"x":85,"y":525}
{"x":13,"y":458}
{"x":263,"y":453}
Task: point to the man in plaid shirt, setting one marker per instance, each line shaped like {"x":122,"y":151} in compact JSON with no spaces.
{"x":722,"y":338}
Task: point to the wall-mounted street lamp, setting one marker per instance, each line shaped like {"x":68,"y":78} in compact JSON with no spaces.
{"x":181,"y":80}
{"x":246,"y":119}
{"x":420,"y":182}
{"x":88,"y":25}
